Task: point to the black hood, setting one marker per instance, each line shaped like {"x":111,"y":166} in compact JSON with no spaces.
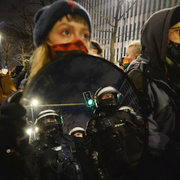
{"x":154,"y":38}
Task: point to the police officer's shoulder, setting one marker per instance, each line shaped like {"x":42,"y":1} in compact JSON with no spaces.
{"x":126,"y":112}
{"x":99,"y":112}
{"x":126,"y":109}
{"x":68,"y":137}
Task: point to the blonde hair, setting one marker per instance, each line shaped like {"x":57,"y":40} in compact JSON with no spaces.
{"x":44,"y":53}
{"x":137,"y":47}
{"x":41,"y":56}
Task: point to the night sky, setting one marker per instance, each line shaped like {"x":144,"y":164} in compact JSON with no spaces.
{"x":4,"y":5}
{"x":5,"y":13}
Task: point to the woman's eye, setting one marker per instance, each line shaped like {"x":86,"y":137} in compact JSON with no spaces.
{"x":66,"y":33}
{"x":86,"y":36}
{"x":178,"y":32}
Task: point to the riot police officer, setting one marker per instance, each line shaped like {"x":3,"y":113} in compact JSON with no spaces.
{"x":77,"y":132}
{"x":55,"y":151}
{"x":115,"y":136}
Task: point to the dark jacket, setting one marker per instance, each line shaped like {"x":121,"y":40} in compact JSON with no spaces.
{"x":57,"y":159}
{"x":118,"y":138}
{"x":19,"y":78}
{"x":161,"y":90}
{"x":154,"y":79}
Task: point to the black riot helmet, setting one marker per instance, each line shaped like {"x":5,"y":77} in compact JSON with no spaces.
{"x":48,"y":120}
{"x":107,"y":102}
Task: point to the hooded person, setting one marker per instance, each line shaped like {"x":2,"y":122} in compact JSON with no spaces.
{"x":156,"y":74}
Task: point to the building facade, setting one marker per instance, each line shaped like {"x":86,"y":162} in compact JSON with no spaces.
{"x":132,"y":15}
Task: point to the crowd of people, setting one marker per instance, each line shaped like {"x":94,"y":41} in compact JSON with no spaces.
{"x":112,"y":145}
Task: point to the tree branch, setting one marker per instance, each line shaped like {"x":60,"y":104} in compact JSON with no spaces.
{"x":103,"y":30}
{"x":105,"y":18}
{"x":128,"y":9}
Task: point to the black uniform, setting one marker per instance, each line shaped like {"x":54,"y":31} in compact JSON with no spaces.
{"x":55,"y":151}
{"x":57,"y":157}
{"x":116,"y":139}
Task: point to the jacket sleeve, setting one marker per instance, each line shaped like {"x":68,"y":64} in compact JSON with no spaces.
{"x":155,"y":97}
{"x":7,"y":87}
{"x":162,"y":120}
{"x":19,"y":78}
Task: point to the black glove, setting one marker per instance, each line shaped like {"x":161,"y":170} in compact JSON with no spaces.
{"x":98,"y":167}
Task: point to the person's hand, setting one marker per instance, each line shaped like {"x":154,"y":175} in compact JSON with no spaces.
{"x":12,"y":126}
{"x":121,"y":67}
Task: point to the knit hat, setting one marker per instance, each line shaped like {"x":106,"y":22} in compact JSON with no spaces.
{"x":175,"y":17}
{"x":47,"y":16}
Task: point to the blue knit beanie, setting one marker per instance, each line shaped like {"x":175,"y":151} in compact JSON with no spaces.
{"x":47,"y":16}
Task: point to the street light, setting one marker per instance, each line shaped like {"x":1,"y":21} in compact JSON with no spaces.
{"x":34,"y":102}
{"x":33,"y":134}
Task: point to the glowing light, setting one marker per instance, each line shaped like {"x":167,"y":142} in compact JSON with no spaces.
{"x":90,"y":102}
{"x":8,"y":151}
{"x":34,"y":102}
{"x":29,"y":131}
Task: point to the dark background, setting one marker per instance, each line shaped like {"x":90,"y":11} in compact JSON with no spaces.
{"x":8,"y":9}
{"x":4,"y":8}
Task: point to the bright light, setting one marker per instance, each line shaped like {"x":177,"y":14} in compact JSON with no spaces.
{"x":90,"y":102}
{"x":34,"y":102}
{"x":8,"y":151}
{"x":36,"y":129}
{"x":29,"y":131}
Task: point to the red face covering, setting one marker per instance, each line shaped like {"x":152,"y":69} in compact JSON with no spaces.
{"x":74,"y":47}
